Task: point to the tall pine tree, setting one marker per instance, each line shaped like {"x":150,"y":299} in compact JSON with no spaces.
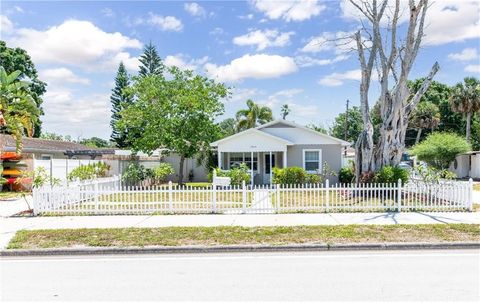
{"x":119,"y":101}
{"x":150,"y":62}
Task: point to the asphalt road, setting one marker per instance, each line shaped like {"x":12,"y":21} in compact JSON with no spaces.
{"x":322,"y":276}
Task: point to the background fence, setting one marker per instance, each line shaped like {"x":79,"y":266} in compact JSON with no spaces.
{"x":110,"y":196}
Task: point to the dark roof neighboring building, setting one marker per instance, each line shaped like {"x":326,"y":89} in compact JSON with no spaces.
{"x":31,"y":145}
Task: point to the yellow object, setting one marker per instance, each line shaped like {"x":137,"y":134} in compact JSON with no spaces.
{"x":12,"y":172}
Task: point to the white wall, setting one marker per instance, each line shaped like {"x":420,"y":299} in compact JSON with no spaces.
{"x":475,"y":168}
{"x":60,"y":168}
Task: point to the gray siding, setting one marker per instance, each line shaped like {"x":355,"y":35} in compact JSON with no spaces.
{"x":332,"y":154}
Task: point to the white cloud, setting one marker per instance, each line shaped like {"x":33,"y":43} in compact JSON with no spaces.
{"x":447,"y":20}
{"x":264,"y":38}
{"x":73,"y":42}
{"x":61,"y":75}
{"x":473,"y":68}
{"x":5,"y":24}
{"x":243,"y":94}
{"x":183,"y":62}
{"x":246,"y":17}
{"x":168,"y":23}
{"x":66,"y":113}
{"x":306,"y":61}
{"x":131,"y":63}
{"x":259,"y":66}
{"x":195,"y":9}
{"x":108,"y":12}
{"x":216,"y":31}
{"x":337,"y":79}
{"x":467,"y":54}
{"x":339,"y":42}
{"x":289,"y":10}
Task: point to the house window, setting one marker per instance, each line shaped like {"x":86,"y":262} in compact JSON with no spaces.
{"x":237,"y":158}
{"x":312,"y":160}
{"x":45,"y":157}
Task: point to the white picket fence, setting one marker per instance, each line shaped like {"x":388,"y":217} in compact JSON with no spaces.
{"x":110,"y":196}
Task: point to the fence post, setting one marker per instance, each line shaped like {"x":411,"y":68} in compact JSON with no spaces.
{"x":214,"y":198}
{"x":327,"y":190}
{"x":244,"y":198}
{"x":399,"y":195}
{"x":95,"y":196}
{"x":170,"y":197}
{"x":277,"y":197}
{"x":35,"y":201}
{"x":470,"y":195}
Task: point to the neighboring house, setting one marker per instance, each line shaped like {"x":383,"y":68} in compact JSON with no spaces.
{"x":279,"y":144}
{"x":44,"y":149}
{"x":467,"y":165}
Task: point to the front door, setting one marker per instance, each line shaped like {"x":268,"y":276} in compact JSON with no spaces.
{"x":267,"y":167}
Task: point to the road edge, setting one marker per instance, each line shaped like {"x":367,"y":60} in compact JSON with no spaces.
{"x":237,"y":249}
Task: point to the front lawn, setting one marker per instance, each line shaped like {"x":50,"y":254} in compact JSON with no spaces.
{"x":230,"y":235}
{"x":476,"y":187}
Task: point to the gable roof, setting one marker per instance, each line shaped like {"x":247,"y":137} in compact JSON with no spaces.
{"x":249,"y":131}
{"x":295,"y":125}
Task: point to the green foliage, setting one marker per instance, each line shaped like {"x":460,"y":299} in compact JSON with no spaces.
{"x":439,"y":149}
{"x":391,"y":175}
{"x":346,"y":174}
{"x":227,"y":127}
{"x":432,"y":175}
{"x":55,"y":137}
{"x":90,"y":171}
{"x":2,"y":180}
{"x":18,"y":111}
{"x":39,"y":178}
{"x":465,"y":99}
{"x":162,"y":171}
{"x":119,"y":99}
{"x":177,"y":113}
{"x":136,"y":173}
{"x":355,"y":124}
{"x":237,"y":175}
{"x":95,"y":142}
{"x":425,"y":116}
{"x":150,"y":62}
{"x":318,"y":128}
{"x":289,"y":175}
{"x":17,"y":59}
{"x":253,"y":116}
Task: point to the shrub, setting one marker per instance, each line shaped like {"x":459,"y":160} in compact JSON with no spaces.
{"x":162,"y":171}
{"x":346,"y":175}
{"x":90,"y":171}
{"x":391,"y":175}
{"x":432,"y":175}
{"x":136,"y":173}
{"x":440,"y":149}
{"x":237,"y":175}
{"x":289,"y":175}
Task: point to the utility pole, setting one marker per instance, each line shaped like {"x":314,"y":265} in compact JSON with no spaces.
{"x":346,"y":125}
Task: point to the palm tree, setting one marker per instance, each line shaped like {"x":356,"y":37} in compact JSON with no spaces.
{"x":285,"y":111}
{"x":465,"y":99}
{"x":425,"y":116}
{"x":253,"y":116}
{"x":18,"y":110}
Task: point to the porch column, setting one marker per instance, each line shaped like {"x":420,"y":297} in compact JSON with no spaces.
{"x":251,"y":168}
{"x":285,"y":158}
{"x":219,"y":160}
{"x":270,"y":167}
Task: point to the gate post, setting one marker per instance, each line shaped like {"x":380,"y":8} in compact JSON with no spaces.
{"x":214,"y":199}
{"x":327,"y":187}
{"x":244,"y":198}
{"x":170,"y":197}
{"x":399,"y":195}
{"x":470,"y":195}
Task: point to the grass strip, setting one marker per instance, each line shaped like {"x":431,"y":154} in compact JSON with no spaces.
{"x":232,"y":235}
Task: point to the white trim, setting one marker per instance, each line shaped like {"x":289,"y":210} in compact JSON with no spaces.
{"x":215,"y":144}
{"x":295,"y":125}
{"x":319,"y":159}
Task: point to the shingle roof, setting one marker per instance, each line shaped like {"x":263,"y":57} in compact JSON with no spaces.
{"x":39,"y":145}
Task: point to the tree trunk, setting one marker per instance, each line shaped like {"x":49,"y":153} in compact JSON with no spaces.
{"x":469,"y":125}
{"x":419,"y":134}
{"x":180,"y":171}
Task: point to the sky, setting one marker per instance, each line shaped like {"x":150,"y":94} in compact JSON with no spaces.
{"x":274,"y":52}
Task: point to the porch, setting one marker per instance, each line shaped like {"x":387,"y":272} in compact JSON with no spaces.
{"x":260,"y":164}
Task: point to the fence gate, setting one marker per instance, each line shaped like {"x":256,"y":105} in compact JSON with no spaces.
{"x":262,"y":201}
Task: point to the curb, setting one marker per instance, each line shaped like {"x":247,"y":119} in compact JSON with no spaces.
{"x":238,"y":249}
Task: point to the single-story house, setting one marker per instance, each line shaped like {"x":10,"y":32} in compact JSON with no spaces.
{"x":279,"y":143}
{"x":467,"y":165}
